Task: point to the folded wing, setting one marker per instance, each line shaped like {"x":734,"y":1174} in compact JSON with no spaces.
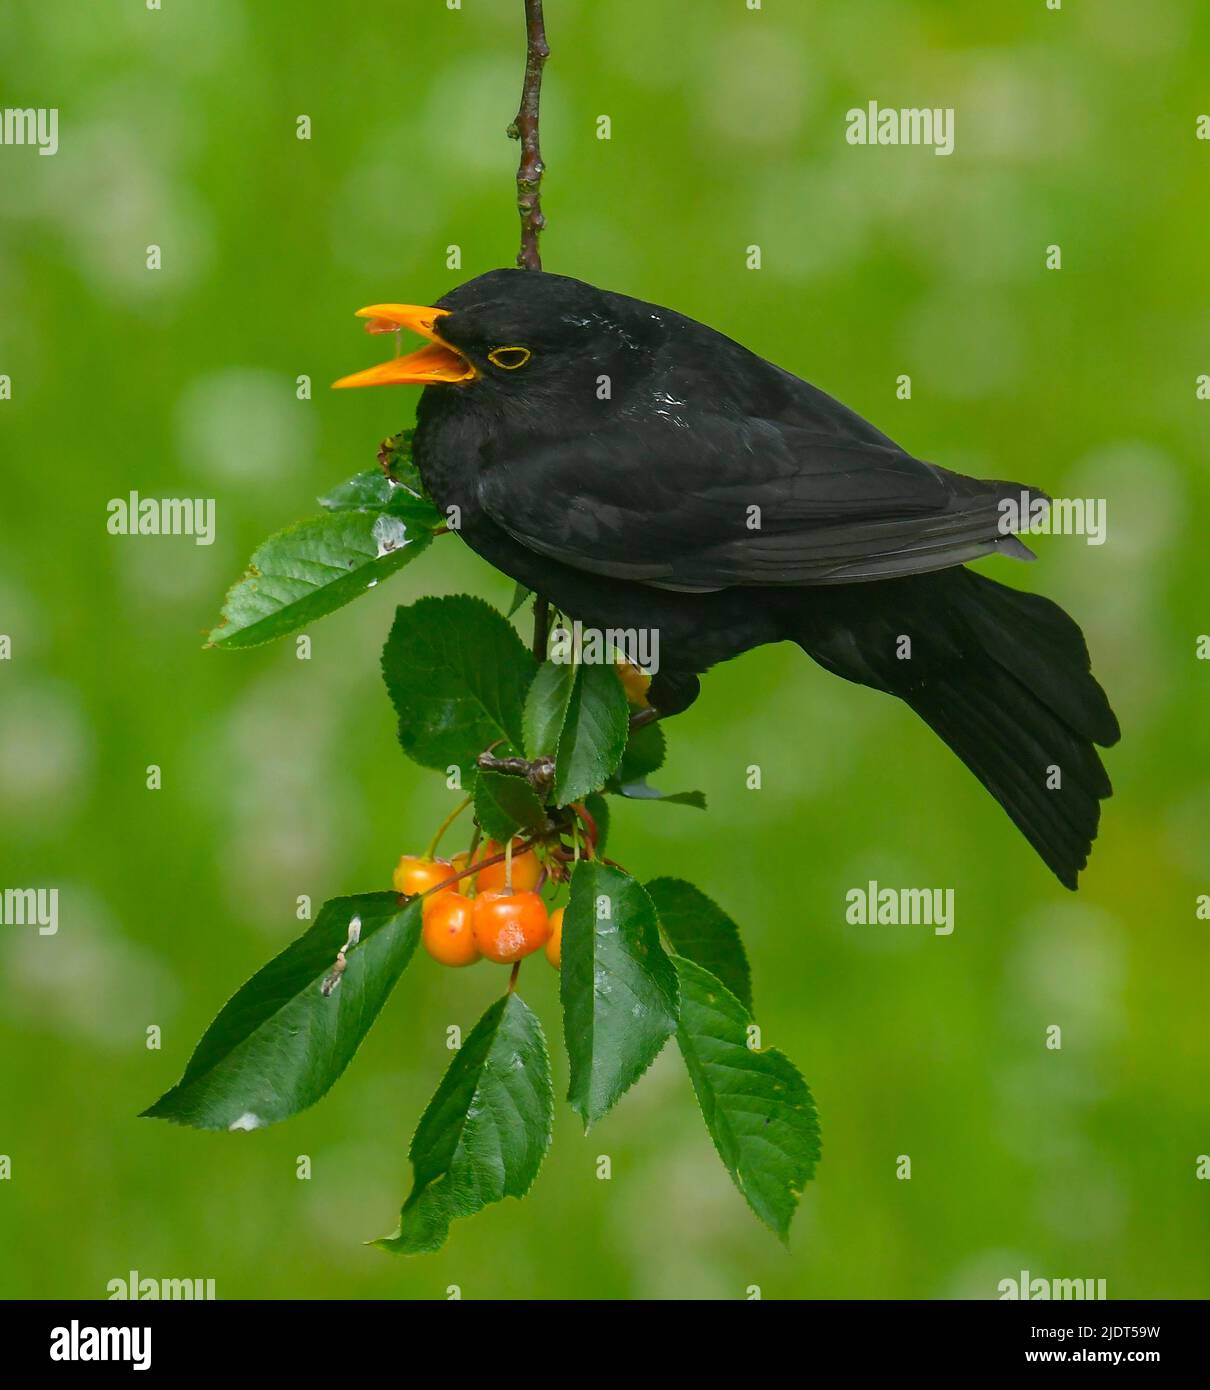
{"x":743,"y":501}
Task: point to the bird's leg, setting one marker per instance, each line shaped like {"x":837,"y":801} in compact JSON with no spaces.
{"x":542,"y":617}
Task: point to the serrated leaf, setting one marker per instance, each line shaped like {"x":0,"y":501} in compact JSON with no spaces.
{"x":457,"y":674}
{"x":485,"y":1132}
{"x":644,"y":754}
{"x":520,"y":594}
{"x":640,"y":791}
{"x":756,"y":1105}
{"x":279,"y":1044}
{"x":702,"y":932}
{"x":505,"y":804}
{"x":546,"y":708}
{"x":593,"y":737}
{"x":618,"y":988}
{"x":373,"y":491}
{"x":309,"y":570}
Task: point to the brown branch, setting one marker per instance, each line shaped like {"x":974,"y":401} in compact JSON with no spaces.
{"x":529,"y":204}
{"x":525,"y":129}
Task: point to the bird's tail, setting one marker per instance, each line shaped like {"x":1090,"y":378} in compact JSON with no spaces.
{"x":1002,"y":676}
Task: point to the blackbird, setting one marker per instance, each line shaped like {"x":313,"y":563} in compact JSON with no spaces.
{"x":643,"y":471}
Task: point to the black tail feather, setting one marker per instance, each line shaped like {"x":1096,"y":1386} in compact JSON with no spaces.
{"x":1002,"y":676}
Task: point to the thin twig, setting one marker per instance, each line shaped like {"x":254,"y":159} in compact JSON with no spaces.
{"x":445,"y":825}
{"x":472,"y":869}
{"x":525,"y":129}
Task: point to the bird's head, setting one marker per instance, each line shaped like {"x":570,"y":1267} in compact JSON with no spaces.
{"x":508,"y":335}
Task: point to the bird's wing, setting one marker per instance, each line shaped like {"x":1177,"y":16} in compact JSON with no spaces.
{"x":738,"y":501}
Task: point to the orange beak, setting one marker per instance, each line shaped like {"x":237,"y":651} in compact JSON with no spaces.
{"x":437,"y":361}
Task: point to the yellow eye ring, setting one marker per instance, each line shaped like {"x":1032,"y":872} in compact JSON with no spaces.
{"x":509,"y":358}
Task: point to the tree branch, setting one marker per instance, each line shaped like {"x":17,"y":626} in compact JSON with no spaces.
{"x":525,"y":129}
{"x":529,"y":204}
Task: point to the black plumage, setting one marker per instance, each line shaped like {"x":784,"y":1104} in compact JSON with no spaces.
{"x":640,"y":469}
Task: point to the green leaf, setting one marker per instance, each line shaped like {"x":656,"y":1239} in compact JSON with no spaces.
{"x":579,"y":714}
{"x":505,"y":804}
{"x":373,"y":491}
{"x":395,"y":457}
{"x":485,"y":1132}
{"x":457,"y":674}
{"x":644,"y":753}
{"x":279,"y":1044}
{"x":520,"y":594}
{"x":546,"y":708}
{"x":640,"y":791}
{"x":313,"y":568}
{"x":702,"y":932}
{"x":756,"y":1105}
{"x":618,"y":988}
{"x":593,"y":737}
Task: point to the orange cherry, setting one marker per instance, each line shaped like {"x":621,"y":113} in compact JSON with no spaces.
{"x":526,"y":869}
{"x":554,"y":944}
{"x":447,"y":930}
{"x":510,"y":926}
{"x":415,"y":874}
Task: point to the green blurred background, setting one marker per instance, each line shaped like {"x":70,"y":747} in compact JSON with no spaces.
{"x":282,"y":777}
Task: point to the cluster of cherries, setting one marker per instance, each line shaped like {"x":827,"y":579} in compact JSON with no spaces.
{"x":498,"y":912}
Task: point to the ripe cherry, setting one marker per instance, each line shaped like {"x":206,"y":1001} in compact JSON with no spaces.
{"x":415,"y":874}
{"x":447,"y":933}
{"x":526,"y":869}
{"x":510,"y":926}
{"x":554,"y":943}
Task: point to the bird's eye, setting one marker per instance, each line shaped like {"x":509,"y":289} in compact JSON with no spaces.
{"x":509,"y":358}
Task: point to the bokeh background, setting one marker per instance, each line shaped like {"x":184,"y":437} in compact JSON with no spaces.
{"x":282,"y":776}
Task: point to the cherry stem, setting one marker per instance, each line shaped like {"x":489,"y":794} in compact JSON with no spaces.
{"x":590,"y":827}
{"x":445,"y":825}
{"x":470,"y":854}
{"x":472,"y":869}
{"x":512,"y":979}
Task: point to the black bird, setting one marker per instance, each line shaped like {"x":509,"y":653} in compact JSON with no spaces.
{"x":641,"y":470}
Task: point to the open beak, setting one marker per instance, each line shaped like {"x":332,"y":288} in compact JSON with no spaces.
{"x":437,"y":361}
